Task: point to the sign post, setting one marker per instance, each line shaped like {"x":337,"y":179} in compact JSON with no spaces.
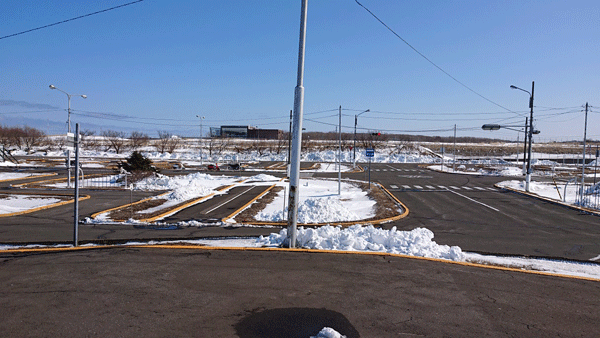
{"x":369,"y":153}
{"x":76,"y":201}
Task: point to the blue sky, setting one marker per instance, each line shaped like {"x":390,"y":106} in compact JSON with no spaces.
{"x":161,"y":63}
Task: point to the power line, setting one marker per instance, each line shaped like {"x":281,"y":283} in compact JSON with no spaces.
{"x":431,"y":62}
{"x":72,"y":19}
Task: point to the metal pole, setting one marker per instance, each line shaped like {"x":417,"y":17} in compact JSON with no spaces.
{"x":76,"y":211}
{"x":354,"y":146}
{"x":297,"y":136}
{"x":583,"y":161}
{"x":290,"y":138}
{"x":454,"y":151}
{"x":340,"y":154}
{"x":528,"y":177}
{"x":369,"y":172}
{"x":525,"y":147}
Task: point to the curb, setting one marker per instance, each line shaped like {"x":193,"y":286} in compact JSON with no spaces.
{"x":311,"y":251}
{"x":44,"y":207}
{"x":550,"y":200}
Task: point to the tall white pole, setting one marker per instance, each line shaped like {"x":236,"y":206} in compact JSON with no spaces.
{"x":583,"y":161}
{"x":297,"y":136}
{"x":340,"y":155}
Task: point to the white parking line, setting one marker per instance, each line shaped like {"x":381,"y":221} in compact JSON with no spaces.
{"x":393,"y":186}
{"x":470,"y":199}
{"x":441,"y":186}
{"x":455,"y":188}
{"x":467,"y":188}
{"x":406,"y":187}
{"x":430,"y":187}
{"x":419,"y":187}
{"x":480,"y":188}
{"x":228,"y":200}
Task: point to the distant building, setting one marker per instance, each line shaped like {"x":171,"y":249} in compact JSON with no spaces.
{"x":247,"y":132}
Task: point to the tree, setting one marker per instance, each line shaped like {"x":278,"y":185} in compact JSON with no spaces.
{"x":138,"y":139}
{"x":166,"y":142}
{"x":116,"y":140}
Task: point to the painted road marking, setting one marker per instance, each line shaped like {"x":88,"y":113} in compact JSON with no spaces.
{"x":419,"y":187}
{"x":406,"y":186}
{"x":467,"y":188}
{"x":480,"y":188}
{"x":470,"y":199}
{"x":455,"y":188}
{"x":393,"y":186}
{"x":441,"y":186}
{"x":228,"y":200}
{"x":430,"y":187}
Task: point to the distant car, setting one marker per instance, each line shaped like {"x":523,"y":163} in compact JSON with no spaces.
{"x":213,"y":167}
{"x":234,"y":166}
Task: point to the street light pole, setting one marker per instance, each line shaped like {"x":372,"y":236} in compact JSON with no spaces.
{"x":354,"y":146}
{"x":200,"y":140}
{"x":297,"y":136}
{"x":69,"y":131}
{"x":530,"y":135}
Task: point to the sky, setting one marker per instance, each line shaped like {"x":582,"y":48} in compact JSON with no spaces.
{"x":155,"y":65}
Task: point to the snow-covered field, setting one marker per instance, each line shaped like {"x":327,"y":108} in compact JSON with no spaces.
{"x":6,"y":176}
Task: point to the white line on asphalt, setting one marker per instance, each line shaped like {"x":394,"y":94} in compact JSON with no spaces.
{"x":406,"y":187}
{"x":455,"y":188}
{"x":393,"y":186}
{"x":229,"y":200}
{"x":430,"y":187}
{"x":470,"y":199}
{"x":441,"y":186}
{"x":467,"y":188}
{"x":480,"y":188}
{"x":418,"y":187}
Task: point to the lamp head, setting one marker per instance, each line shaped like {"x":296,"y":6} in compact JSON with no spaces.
{"x":84,"y":96}
{"x":513,"y":87}
{"x":52,"y":87}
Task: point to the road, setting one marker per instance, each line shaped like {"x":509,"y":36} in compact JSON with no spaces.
{"x":157,"y":292}
{"x":463,"y":210}
{"x":466,"y":210}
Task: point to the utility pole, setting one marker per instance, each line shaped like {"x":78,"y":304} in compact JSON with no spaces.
{"x":528,"y":177}
{"x":340,"y":154}
{"x":454,"y":151}
{"x":583,"y":161}
{"x":292,"y":231}
{"x":290,"y":139}
{"x":525,"y":147}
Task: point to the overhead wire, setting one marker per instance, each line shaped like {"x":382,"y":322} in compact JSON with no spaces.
{"x":72,"y":19}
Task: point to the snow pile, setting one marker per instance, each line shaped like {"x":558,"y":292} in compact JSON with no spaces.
{"x":417,"y":242}
{"x":319,"y":202}
{"x":186,"y":187}
{"x":328,"y":332}
{"x":18,"y":203}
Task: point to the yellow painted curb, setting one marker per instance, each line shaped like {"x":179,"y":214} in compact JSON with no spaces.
{"x":591,"y":211}
{"x":189,"y":204}
{"x":251,"y":201}
{"x":17,"y":213}
{"x":371,"y":222}
{"x":28,"y":177}
{"x":199,"y":247}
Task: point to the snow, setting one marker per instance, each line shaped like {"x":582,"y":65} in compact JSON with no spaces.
{"x":417,"y":242}
{"x":319,"y":202}
{"x":18,"y":203}
{"x":328,"y":332}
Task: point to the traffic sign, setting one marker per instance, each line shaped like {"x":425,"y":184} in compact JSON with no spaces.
{"x":370,"y":152}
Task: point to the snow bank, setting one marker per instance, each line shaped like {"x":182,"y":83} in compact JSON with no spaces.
{"x":328,"y":332}
{"x":417,"y":242}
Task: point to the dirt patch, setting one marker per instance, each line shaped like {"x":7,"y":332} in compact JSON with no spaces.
{"x":132,"y":211}
{"x":248,"y":214}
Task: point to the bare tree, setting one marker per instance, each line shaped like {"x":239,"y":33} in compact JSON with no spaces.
{"x":116,"y":140}
{"x":138,"y":139}
{"x":88,"y":140}
{"x":33,"y":138}
{"x":166,"y":142}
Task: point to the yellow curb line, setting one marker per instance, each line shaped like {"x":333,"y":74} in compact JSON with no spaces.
{"x":189,"y":204}
{"x":17,"y":213}
{"x":591,"y":211}
{"x":127,"y":205}
{"x":251,"y":201}
{"x":372,"y":222}
{"x":198,"y":247}
{"x":28,"y":177}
